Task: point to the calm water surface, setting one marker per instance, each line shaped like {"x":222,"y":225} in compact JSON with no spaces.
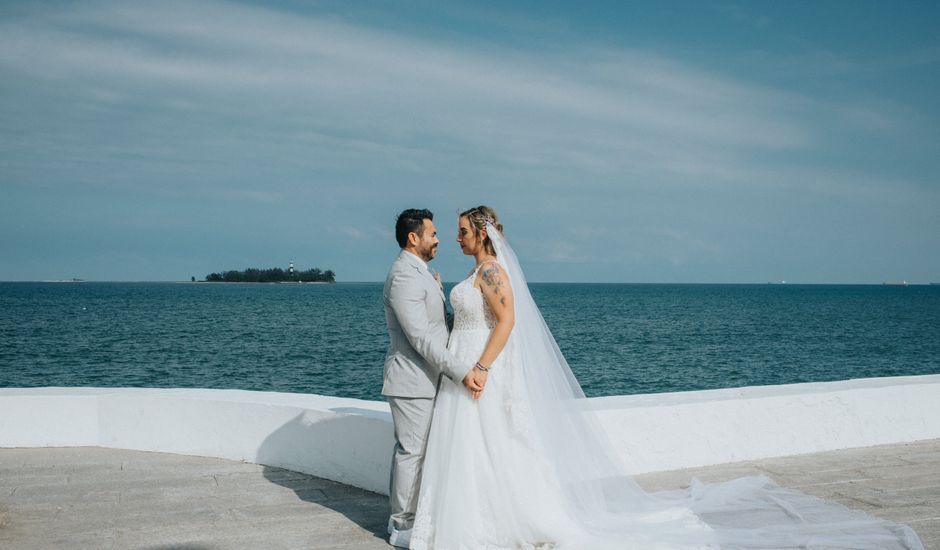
{"x":331,"y":339}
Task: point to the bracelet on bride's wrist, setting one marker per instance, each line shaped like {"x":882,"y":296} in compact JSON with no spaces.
{"x":479,"y":366}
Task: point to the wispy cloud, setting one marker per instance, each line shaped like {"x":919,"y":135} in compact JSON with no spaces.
{"x":743,"y":14}
{"x":624,"y":155}
{"x":516,"y":105}
{"x":266,"y":197}
{"x":347,"y":230}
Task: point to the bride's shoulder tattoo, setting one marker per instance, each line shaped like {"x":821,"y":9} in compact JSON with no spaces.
{"x":492,"y":277}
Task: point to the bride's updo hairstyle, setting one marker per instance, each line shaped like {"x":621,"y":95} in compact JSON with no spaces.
{"x":478,"y":217}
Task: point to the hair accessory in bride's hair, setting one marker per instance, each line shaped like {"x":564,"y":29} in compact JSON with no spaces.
{"x":476,"y":212}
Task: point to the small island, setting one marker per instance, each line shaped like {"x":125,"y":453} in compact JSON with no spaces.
{"x":273,"y":275}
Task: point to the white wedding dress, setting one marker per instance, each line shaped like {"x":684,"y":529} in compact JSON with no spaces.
{"x":527,"y":467}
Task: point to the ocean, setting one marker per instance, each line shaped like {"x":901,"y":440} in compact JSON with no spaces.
{"x":331,"y":339}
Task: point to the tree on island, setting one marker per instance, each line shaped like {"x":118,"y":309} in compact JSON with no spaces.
{"x":272,"y":275}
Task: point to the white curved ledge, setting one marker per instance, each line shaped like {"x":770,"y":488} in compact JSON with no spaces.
{"x":350,"y":440}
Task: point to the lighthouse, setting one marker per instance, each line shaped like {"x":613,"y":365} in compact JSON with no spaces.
{"x":290,"y":268}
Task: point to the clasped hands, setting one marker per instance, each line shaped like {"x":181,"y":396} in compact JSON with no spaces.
{"x":474,"y":381}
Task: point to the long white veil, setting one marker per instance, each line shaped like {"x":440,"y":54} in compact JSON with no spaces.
{"x":752,"y":512}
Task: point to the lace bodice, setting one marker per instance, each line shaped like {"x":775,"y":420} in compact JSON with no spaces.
{"x":471,"y":312}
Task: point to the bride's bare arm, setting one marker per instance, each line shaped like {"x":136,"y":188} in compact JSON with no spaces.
{"x":498,"y":295}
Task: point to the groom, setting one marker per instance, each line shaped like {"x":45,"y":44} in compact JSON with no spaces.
{"x":417,"y":357}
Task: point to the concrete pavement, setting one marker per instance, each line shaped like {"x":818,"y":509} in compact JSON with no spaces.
{"x":96,"y":498}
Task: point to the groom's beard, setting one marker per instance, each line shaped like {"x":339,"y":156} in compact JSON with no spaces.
{"x":429,"y":254}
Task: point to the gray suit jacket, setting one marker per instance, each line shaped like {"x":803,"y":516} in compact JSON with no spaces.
{"x":417,"y":330}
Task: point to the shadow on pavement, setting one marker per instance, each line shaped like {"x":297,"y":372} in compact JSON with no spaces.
{"x":292,"y":441}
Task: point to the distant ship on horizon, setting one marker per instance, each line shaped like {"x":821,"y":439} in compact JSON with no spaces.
{"x":895,"y":283}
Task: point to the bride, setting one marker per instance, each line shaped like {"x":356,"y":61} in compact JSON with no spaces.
{"x":524,"y":465}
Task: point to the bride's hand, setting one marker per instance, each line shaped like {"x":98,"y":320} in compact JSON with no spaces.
{"x":473,"y":382}
{"x":480,"y":377}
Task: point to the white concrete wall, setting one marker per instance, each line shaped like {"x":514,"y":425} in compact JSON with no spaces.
{"x":680,"y":430}
{"x":346,"y":440}
{"x":350,"y":440}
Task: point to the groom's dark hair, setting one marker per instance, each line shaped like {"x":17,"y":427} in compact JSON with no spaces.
{"x":411,"y":221}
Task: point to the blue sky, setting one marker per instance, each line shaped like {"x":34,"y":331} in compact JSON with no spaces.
{"x":619,"y":141}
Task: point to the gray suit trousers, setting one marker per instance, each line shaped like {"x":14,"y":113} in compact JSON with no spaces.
{"x":412,"y":419}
